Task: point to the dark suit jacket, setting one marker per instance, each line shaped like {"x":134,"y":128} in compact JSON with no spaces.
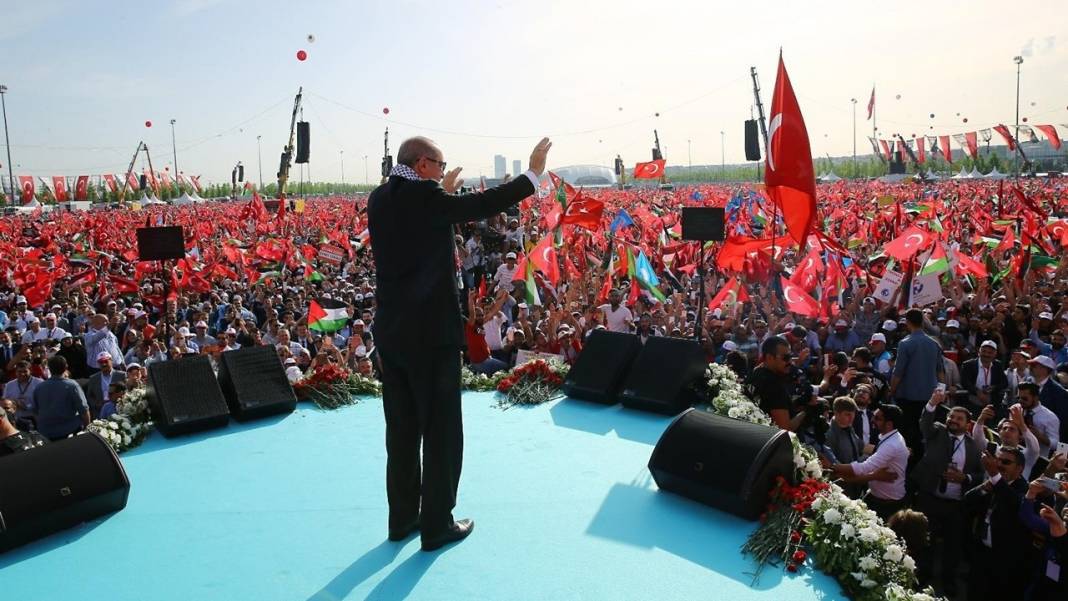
{"x":1054,"y":397}
{"x":95,"y":395}
{"x":969,"y":370}
{"x":412,"y":239}
{"x":1008,"y":534}
{"x":938,"y":449}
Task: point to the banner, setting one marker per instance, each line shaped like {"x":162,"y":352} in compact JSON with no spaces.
{"x":59,"y":188}
{"x":110,"y":181}
{"x":81,"y":188}
{"x":331,"y":254}
{"x":29,"y":190}
{"x":891,"y":281}
{"x":926,"y":289}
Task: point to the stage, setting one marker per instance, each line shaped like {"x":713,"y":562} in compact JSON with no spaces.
{"x":294,"y":508}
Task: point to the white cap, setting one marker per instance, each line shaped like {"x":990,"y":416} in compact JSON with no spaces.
{"x":139,"y":314}
{"x":361,"y":351}
{"x":103,"y":356}
{"x":841,"y":323}
{"x":290,"y":361}
{"x":359,"y":296}
{"x":1045,"y":315}
{"x":201,"y":324}
{"x":953,"y":323}
{"x":50,"y":316}
{"x":184,"y":331}
{"x":231,"y":331}
{"x":729,"y":345}
{"x":889,"y":325}
{"x":989,"y":343}
{"x":878,"y":337}
{"x":510,"y":256}
{"x":20,"y":299}
{"x":718,"y":313}
{"x":33,"y":320}
{"x":1044,"y":361}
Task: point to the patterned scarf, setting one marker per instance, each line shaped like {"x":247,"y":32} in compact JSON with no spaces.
{"x":406,"y":172}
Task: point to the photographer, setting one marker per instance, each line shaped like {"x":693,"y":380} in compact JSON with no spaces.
{"x":770,"y":386}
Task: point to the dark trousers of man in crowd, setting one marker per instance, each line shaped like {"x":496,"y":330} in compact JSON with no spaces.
{"x":910,"y":428}
{"x":421,"y":399}
{"x":885,"y":508}
{"x":998,"y":574}
{"x":948,"y":521}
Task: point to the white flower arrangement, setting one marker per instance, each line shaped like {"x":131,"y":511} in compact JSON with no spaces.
{"x":727,"y":397}
{"x":129,"y":425}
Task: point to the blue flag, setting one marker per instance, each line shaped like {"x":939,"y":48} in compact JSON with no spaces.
{"x":622,"y":220}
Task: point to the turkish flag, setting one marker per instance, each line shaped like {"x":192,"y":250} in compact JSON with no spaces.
{"x":81,"y":188}
{"x":871,"y":104}
{"x":973,"y":144}
{"x":28,"y":188}
{"x":109,"y":179}
{"x":585,"y":213}
{"x":729,"y":295}
{"x":1051,"y":133}
{"x":947,"y":153}
{"x":650,"y":170}
{"x":789,"y":178}
{"x":59,"y":184}
{"x":1058,"y":230}
{"x":886,"y":148}
{"x":544,"y":258}
{"x":921,"y":154}
{"x":908,"y":243}
{"x":132,"y":181}
{"x":797,"y":301}
{"x":967,"y":265}
{"x":196,"y":181}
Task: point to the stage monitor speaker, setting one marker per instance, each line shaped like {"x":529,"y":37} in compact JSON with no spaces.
{"x":142,"y":181}
{"x":303,"y":141}
{"x":185,"y":396}
{"x":725,"y":463}
{"x":58,"y":486}
{"x":160,"y":243}
{"x":602,"y":365}
{"x":254,"y":383}
{"x":662,"y":378}
{"x":752,"y":141}
{"x":703,"y":223}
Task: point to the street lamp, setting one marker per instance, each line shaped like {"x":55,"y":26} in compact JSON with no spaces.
{"x":259,"y":160}
{"x":174,"y":149}
{"x":342,"y":167}
{"x":854,"y":101}
{"x":1016,"y":157}
{"x":365,"y":182}
{"x":7,"y":141}
{"x":722,"y":152}
{"x":689,"y":153}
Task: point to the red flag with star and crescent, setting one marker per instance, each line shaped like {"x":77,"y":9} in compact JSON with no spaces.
{"x":543,"y":257}
{"x":81,"y":188}
{"x":59,"y":184}
{"x":28,"y":188}
{"x":790,"y":180}
{"x":871,"y":104}
{"x":797,"y":300}
{"x":650,"y":170}
{"x":910,"y":242}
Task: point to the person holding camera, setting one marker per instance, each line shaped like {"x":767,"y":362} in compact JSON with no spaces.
{"x":1042,"y":422}
{"x":984,"y":378}
{"x":769,"y":386}
{"x":1044,"y":519}
{"x":949,"y":466}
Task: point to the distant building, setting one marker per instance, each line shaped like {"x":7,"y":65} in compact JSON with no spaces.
{"x":587,"y":175}
{"x":517,"y":168}
{"x":499,"y":166}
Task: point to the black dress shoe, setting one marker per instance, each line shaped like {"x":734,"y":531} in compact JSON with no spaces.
{"x":399,"y":534}
{"x":456,"y":532}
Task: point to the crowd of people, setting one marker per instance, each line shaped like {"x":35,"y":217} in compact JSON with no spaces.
{"x":946,"y":417}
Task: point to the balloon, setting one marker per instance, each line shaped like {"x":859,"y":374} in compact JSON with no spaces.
{"x":1032,"y":103}
{"x":958,"y":114}
{"x":148,"y":124}
{"x":311,"y":38}
{"x":385,"y":110}
{"x":1024,"y":119}
{"x":932,"y":115}
{"x":621,"y":108}
{"x":965,"y":119}
{"x":301,"y":55}
{"x":898,"y":97}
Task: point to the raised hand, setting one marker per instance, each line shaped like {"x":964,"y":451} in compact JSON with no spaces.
{"x":452,"y":181}
{"x":538,"y":155}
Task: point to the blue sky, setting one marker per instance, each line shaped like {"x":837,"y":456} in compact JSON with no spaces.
{"x":490,"y":77}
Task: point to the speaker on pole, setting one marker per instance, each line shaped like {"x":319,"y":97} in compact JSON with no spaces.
{"x":142,"y":182}
{"x":303,"y":142}
{"x":185,"y":396}
{"x":752,"y":141}
{"x":58,"y":486}
{"x":160,"y":243}
{"x":601,"y":367}
{"x":254,"y":383}
{"x":662,"y":378}
{"x":725,"y":463}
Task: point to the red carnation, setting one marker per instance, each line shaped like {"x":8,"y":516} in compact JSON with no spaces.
{"x":791,"y":568}
{"x":800,"y":556}
{"x":795,"y":537}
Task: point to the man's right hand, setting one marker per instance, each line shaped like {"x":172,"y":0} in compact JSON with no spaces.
{"x":986,"y":415}
{"x":537,"y":157}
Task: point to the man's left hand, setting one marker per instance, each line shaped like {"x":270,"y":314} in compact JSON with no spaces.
{"x":452,"y":181}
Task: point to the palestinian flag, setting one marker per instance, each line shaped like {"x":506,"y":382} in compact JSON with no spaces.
{"x":938,"y":262}
{"x":533,"y":298}
{"x":327,"y":315}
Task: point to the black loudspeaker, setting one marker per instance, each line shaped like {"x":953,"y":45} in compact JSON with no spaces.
{"x":303,"y":141}
{"x":897,"y":166}
{"x":663,"y":376}
{"x":752,"y":141}
{"x":254,"y":383}
{"x":57,"y":486}
{"x":240,"y":173}
{"x":142,"y":181}
{"x":725,"y":463}
{"x":619,"y":166}
{"x":703,"y":223}
{"x":185,"y":396}
{"x":160,"y":243}
{"x":599,"y":371}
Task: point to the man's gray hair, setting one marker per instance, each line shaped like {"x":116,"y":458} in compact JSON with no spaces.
{"x":413,"y":149}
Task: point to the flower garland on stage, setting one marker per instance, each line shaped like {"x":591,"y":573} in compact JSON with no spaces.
{"x":532,"y":383}
{"x":129,"y":425}
{"x":845,"y":538}
{"x":331,"y":387}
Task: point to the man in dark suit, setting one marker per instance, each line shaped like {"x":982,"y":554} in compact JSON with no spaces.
{"x":984,"y":378}
{"x":419,"y":330}
{"x":1003,"y":554}
{"x":951,"y":465}
{"x":97,"y":388}
{"x":1052,"y":395}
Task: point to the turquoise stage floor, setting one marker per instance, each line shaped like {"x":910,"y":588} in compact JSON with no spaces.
{"x":294,"y":508}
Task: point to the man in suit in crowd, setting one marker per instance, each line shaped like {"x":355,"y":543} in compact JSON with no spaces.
{"x":950,"y":466}
{"x":419,"y":330}
{"x":97,"y":388}
{"x":1053,"y":396}
{"x":984,"y":378}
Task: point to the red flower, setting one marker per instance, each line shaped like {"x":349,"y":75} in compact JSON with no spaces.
{"x":799,"y":556}
{"x":792,"y":568}
{"x":795,"y":537}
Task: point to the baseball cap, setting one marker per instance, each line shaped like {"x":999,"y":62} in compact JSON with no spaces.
{"x":358,"y":322}
{"x":1045,"y":315}
{"x":20,"y":299}
{"x":729,"y":345}
{"x":889,"y":325}
{"x":184,"y":331}
{"x":103,"y":356}
{"x":290,"y":361}
{"x":1044,"y":361}
{"x":878,"y":337}
{"x":989,"y":343}
{"x":231,"y":331}
{"x":841,"y":323}
{"x":201,"y":324}
{"x":510,"y":256}
{"x":130,"y":366}
{"x":1020,"y":351}
{"x":953,"y":323}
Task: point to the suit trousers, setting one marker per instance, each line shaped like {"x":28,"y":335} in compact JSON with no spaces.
{"x":421,"y":400}
{"x":948,"y":521}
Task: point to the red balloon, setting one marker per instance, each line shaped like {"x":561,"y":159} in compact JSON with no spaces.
{"x":1024,"y":119}
{"x":148,"y":124}
{"x":301,"y":55}
{"x":965,"y":119}
{"x":385,"y":110}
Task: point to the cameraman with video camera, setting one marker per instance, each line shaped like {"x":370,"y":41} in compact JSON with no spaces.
{"x":773,"y":387}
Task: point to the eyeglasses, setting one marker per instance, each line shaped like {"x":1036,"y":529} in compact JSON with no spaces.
{"x":440,"y":163}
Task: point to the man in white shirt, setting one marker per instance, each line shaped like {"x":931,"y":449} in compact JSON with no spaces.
{"x":884,"y":497}
{"x":21,"y":389}
{"x":505,"y":272}
{"x":1042,"y":422}
{"x":618,"y":317}
{"x":51,"y":328}
{"x":34,"y":331}
{"x":1012,"y":431}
